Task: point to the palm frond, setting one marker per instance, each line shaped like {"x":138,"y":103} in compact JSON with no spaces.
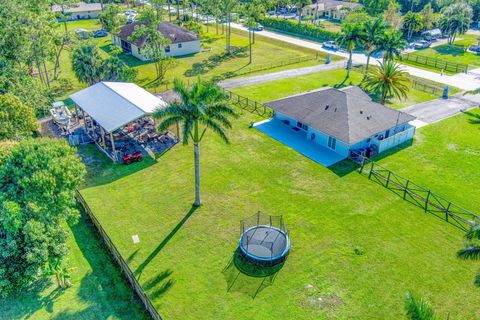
{"x":168,"y":122}
{"x":210,"y":124}
{"x":418,"y":309}
{"x":474,"y":232}
{"x":469,"y":252}
{"x":187,"y":130}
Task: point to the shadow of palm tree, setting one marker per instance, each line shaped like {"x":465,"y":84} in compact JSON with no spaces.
{"x":475,"y":118}
{"x":165,"y":241}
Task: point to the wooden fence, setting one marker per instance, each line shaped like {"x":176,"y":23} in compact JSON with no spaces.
{"x":439,"y":64}
{"x":249,"y":105}
{"x":417,"y":195}
{"x":120,"y":261}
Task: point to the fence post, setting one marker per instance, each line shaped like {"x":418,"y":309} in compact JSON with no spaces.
{"x":405,"y":190}
{"x":371,"y":170}
{"x":426,"y":200}
{"x":388,"y":178}
{"x":362,"y":165}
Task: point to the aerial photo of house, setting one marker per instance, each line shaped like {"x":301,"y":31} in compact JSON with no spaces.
{"x":234,"y":159}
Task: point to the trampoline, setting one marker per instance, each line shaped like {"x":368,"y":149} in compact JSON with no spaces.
{"x":264,"y":240}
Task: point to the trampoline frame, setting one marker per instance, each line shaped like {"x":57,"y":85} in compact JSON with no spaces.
{"x":257,"y":258}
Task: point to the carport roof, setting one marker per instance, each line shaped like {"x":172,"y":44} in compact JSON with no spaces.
{"x":115,"y":104}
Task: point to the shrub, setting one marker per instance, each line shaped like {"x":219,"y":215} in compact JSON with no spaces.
{"x":304,"y":29}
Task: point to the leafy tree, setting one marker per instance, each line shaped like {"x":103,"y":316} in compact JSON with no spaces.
{"x":412,"y":22}
{"x":202,"y":106}
{"x":374,"y":29}
{"x":87,"y":63}
{"x":392,"y":15}
{"x":388,"y":79}
{"x":418,"y":309}
{"x":17,"y":120}
{"x":472,"y":247}
{"x":112,"y":18}
{"x":429,"y":17}
{"x":392,"y":43}
{"x":300,"y":4}
{"x":357,"y":16}
{"x":114,"y":69}
{"x":456,"y":19}
{"x":351,"y":36}
{"x":375,"y":7}
{"x":37,"y":195}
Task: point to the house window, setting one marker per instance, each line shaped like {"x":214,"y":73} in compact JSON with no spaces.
{"x":167,"y":49}
{"x":179,"y":46}
{"x":332,"y":143}
{"x":302,"y":125}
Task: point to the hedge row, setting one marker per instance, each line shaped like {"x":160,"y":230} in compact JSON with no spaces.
{"x":303,"y":29}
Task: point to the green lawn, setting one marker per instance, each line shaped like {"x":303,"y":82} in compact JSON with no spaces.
{"x":98,"y":291}
{"x":208,"y":63}
{"x":265,"y":92}
{"x":357,"y":247}
{"x":451,"y":54}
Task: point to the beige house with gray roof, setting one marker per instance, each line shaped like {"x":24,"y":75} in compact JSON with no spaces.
{"x":79,"y":11}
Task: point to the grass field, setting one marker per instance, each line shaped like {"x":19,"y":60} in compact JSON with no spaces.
{"x":273,"y":90}
{"x":357,"y":247}
{"x":98,"y":291}
{"x":451,"y":54}
{"x":208,"y":63}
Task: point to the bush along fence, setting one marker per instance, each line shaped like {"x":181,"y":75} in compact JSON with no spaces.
{"x":302,"y":29}
{"x":415,"y":194}
{"x":439,"y":64}
{"x":128,"y":274}
{"x":249,"y":105}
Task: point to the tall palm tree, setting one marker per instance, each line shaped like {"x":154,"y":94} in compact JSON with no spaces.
{"x":388,"y":79}
{"x":351,"y":35}
{"x":472,"y":247}
{"x":412,"y":22}
{"x":393,"y":44}
{"x":418,"y":309}
{"x":372,"y":38}
{"x":202,"y":106}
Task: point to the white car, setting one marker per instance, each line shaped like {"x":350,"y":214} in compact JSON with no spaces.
{"x":131,"y":12}
{"x":330,"y":45}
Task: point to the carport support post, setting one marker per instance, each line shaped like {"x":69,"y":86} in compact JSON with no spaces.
{"x":113,"y":142}
{"x":84,"y":121}
{"x":76,"y":113}
{"x":103,"y":137}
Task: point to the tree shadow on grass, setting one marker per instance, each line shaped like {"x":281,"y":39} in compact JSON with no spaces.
{"x":164,"y":242}
{"x":475,"y":118}
{"x":247,"y":278}
{"x":214,"y":61}
{"x":159,"y":284}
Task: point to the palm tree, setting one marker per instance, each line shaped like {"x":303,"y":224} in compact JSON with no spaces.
{"x":202,"y":106}
{"x":418,"y":309}
{"x":472,"y":247}
{"x":87,"y":63}
{"x":388,"y":79}
{"x":412,"y":22}
{"x":351,"y":35}
{"x":373,"y":30}
{"x":393,"y":44}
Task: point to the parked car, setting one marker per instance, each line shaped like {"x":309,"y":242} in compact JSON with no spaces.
{"x":259,"y":27}
{"x":100,"y":33}
{"x":131,"y":18}
{"x":330,"y":45}
{"x":82,"y":33}
{"x":422,"y":44}
{"x":131,"y":12}
{"x":410,"y":45}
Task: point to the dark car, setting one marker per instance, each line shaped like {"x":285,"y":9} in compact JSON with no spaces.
{"x":422,"y":44}
{"x":100,"y":33}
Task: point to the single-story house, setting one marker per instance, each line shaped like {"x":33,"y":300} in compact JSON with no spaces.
{"x":339,"y":121}
{"x":331,"y":9}
{"x":79,"y":11}
{"x":183,"y":41}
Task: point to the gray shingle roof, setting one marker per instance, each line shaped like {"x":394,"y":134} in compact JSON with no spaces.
{"x":348,"y":114}
{"x":169,"y":30}
{"x":80,"y":7}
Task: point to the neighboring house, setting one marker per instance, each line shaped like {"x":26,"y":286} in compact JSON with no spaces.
{"x":183,"y":41}
{"x":343,"y":120}
{"x":331,"y":9}
{"x":80,"y":11}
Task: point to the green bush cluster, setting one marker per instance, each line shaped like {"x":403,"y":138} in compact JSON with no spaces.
{"x":303,"y":29}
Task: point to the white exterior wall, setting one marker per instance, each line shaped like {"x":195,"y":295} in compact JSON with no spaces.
{"x":187,"y":48}
{"x":84,"y":15}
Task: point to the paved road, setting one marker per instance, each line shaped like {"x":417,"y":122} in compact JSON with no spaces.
{"x":231,"y":83}
{"x":463,"y":81}
{"x":436,"y":110}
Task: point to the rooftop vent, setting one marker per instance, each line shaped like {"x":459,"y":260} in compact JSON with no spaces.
{"x":369,"y":117}
{"x":326,"y":107}
{"x":361,"y":111}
